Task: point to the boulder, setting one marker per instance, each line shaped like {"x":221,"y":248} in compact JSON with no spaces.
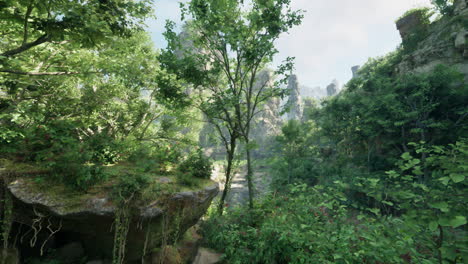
{"x":89,"y":217}
{"x":207,"y":256}
{"x":167,"y":255}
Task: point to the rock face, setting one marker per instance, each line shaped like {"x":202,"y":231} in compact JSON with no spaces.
{"x":355,"y":70}
{"x":408,"y":24}
{"x":461,"y":6}
{"x":295,"y":100}
{"x":317,"y":92}
{"x":333,"y":88}
{"x":268,"y":122}
{"x":89,"y":218}
{"x":446,"y":43}
{"x":207,"y":256}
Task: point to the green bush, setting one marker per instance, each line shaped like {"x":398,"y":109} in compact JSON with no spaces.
{"x":311,"y":225}
{"x":155,"y":157}
{"x":196,"y":165}
{"x":129,"y":185}
{"x":74,"y":169}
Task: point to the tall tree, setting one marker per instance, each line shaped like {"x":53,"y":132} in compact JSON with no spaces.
{"x":238,"y":40}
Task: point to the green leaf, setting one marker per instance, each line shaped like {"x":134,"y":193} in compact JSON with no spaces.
{"x":433,"y":225}
{"x":458,"y":221}
{"x":444,"y":180}
{"x":442,"y":206}
{"x":457,"y":177}
{"x":376,"y":211}
{"x":406,"y":156}
{"x":387,"y":203}
{"x":455,"y":222}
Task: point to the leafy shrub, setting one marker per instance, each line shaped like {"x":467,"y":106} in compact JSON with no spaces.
{"x":155,"y":157}
{"x":69,"y":160}
{"x":106,"y":155}
{"x":129,"y":185}
{"x":311,"y":225}
{"x":74,"y":169}
{"x":196,"y":165}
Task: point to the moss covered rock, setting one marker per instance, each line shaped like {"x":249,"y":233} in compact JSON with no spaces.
{"x":156,"y":217}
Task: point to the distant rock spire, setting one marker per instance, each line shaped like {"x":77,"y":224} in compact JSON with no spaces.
{"x":295,"y":100}
{"x":355,"y":70}
{"x":333,"y":88}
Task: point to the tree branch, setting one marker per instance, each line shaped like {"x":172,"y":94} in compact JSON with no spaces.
{"x":42,"y":39}
{"x":45,"y":73}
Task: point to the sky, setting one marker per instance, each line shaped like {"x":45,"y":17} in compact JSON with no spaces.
{"x":334,"y":35}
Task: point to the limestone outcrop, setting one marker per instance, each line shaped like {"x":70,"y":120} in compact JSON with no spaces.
{"x":408,"y":24}
{"x":268,"y":122}
{"x":446,"y":43}
{"x":52,"y":215}
{"x":295,"y":101}
{"x":316,"y":93}
{"x":355,"y":70}
{"x":333,"y":88}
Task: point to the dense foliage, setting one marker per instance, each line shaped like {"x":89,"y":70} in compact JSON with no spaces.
{"x":312,"y":225}
{"x":375,"y":174}
{"x":81,"y":86}
{"x":387,"y":159}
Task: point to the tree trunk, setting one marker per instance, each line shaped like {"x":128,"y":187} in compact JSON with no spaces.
{"x":227,"y":184}
{"x":440,"y":242}
{"x":249,"y":174}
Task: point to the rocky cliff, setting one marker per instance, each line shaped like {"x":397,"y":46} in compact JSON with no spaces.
{"x":268,"y":122}
{"x":333,"y":88}
{"x":316,"y":93}
{"x":445,"y":41}
{"x":295,"y":100}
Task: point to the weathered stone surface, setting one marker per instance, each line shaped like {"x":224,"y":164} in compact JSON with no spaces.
{"x":167,"y":255}
{"x":295,"y":100}
{"x":333,"y":88}
{"x":461,"y":6}
{"x":461,"y":40}
{"x":408,"y":24}
{"x":207,"y":256}
{"x":445,"y":44}
{"x":268,"y":122}
{"x":316,"y":93}
{"x":89,"y":217}
{"x":355,"y":70}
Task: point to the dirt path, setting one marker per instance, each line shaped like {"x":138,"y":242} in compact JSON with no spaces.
{"x":239,"y":193}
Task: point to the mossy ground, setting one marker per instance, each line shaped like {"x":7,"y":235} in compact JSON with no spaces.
{"x":159,"y":184}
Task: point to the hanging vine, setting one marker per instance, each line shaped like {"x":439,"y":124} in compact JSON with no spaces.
{"x":7,"y":221}
{"x":121,"y":226}
{"x":147,"y":237}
